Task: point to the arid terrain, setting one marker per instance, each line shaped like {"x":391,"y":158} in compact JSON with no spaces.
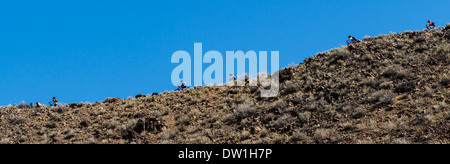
{"x":389,"y":89}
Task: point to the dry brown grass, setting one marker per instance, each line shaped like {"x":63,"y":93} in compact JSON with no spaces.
{"x":387,"y":89}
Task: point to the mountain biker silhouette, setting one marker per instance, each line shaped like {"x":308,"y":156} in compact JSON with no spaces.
{"x":351,"y":40}
{"x":181,"y":86}
{"x":233,"y":79}
{"x":430,"y":25}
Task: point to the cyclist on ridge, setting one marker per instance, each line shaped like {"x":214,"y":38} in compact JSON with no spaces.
{"x":430,"y":25}
{"x":351,"y":39}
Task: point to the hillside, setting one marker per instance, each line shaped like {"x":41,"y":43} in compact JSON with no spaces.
{"x":386,"y":89}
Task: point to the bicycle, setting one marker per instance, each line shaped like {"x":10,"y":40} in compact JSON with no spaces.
{"x":51,"y":103}
{"x":351,"y":41}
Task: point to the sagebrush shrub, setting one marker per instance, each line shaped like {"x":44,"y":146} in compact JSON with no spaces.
{"x":405,"y":87}
{"x":244,"y":110}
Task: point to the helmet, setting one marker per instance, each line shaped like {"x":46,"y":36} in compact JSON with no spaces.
{"x":349,"y":36}
{"x":54,"y":97}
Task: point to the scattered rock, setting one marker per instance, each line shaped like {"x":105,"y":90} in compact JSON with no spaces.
{"x":286,"y":74}
{"x":129,"y":134}
{"x":405,"y":87}
{"x":154,"y":124}
{"x":139,"y":127}
{"x":39,"y":105}
{"x":75,"y":105}
{"x":139,"y":96}
{"x":150,"y":124}
{"x":112,"y":100}
{"x":381,"y":90}
{"x":84,"y":124}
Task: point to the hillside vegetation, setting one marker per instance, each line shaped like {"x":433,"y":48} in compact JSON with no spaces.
{"x":386,"y":89}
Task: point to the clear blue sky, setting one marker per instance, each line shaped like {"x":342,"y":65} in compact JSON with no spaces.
{"x":85,"y":51}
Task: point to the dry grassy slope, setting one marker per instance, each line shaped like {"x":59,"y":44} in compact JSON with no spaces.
{"x":386,"y":89}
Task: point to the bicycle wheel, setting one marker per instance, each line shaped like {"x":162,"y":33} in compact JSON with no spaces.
{"x":349,"y":42}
